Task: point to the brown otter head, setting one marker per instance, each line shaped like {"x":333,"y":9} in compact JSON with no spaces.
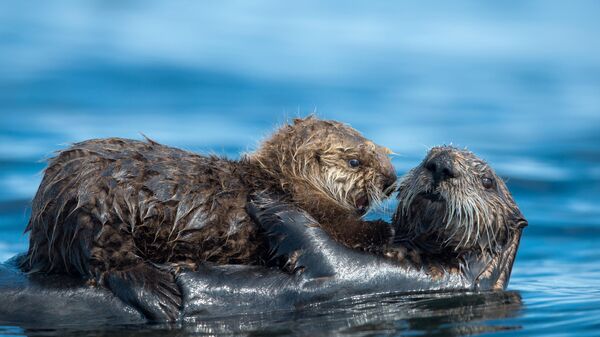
{"x":315,"y":158}
{"x":455,"y":200}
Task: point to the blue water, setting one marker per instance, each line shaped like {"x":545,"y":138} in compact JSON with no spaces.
{"x":516,"y":82}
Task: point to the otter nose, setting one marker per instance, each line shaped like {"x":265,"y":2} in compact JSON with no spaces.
{"x":441,"y":167}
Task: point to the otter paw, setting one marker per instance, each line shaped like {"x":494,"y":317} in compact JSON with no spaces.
{"x":148,"y":288}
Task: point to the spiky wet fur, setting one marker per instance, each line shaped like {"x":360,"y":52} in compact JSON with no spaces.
{"x":108,"y":208}
{"x":468,"y":217}
{"x":315,"y":156}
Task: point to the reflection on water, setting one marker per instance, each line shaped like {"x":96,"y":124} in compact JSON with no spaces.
{"x":516,"y":82}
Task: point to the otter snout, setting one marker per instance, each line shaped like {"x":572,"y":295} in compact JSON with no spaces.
{"x":441,"y":167}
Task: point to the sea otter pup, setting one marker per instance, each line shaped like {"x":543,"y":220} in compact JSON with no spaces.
{"x":111,"y":210}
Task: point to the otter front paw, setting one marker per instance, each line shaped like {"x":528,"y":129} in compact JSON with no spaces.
{"x":147,"y":288}
{"x":378,"y":234}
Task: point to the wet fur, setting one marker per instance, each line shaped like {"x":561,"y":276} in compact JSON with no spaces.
{"x":467,"y":220}
{"x":109,"y":209}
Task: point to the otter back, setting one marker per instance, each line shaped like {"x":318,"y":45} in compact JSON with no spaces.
{"x":119,"y":200}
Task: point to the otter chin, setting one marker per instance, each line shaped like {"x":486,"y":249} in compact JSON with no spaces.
{"x":455,"y":202}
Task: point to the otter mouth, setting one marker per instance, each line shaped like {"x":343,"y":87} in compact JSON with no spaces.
{"x":362,"y":204}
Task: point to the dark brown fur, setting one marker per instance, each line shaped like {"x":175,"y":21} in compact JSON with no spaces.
{"x":108,"y":209}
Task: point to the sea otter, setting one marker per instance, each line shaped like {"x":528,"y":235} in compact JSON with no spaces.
{"x":325,"y":268}
{"x":112,"y":210}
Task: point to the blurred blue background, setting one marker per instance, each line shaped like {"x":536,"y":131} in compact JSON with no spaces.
{"x":518,"y":82}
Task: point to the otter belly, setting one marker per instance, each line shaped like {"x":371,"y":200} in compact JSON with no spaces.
{"x":214,"y":290}
{"x":57,"y":299}
{"x":330,"y":271}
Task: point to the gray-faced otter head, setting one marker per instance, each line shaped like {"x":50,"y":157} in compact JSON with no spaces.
{"x":454,"y":200}
{"x":320,"y":157}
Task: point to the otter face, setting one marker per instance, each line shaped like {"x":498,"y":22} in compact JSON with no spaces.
{"x":331,"y":159}
{"x":353,"y":170}
{"x":456,"y":200}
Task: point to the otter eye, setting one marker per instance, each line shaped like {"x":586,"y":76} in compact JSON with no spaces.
{"x":354,"y":163}
{"x":487,"y":182}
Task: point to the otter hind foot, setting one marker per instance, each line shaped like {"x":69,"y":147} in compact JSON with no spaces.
{"x":294,"y":236}
{"x":149,"y":289}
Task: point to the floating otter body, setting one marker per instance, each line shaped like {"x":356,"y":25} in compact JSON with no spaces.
{"x":111,"y":210}
{"x":325,"y":268}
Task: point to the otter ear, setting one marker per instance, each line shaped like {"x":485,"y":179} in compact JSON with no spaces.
{"x":306,"y":119}
{"x":388,"y":151}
